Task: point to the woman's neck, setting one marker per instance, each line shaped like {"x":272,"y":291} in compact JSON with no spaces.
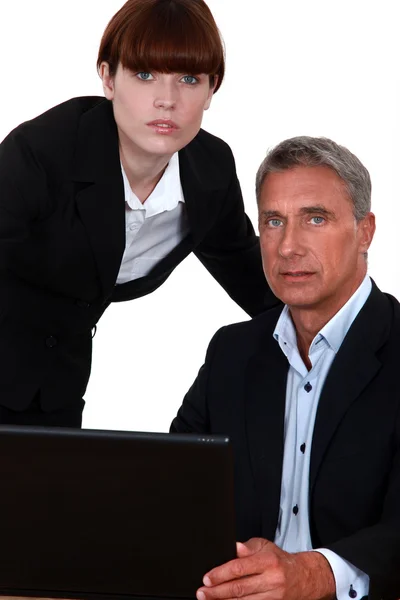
{"x":143,"y":171}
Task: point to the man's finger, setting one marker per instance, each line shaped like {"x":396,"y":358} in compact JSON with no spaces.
{"x":260,"y":596}
{"x":254,"y":545}
{"x":235,"y":569}
{"x":242,"y":550}
{"x":239,"y":588}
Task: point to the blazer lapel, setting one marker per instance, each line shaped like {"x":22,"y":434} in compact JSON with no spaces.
{"x":200,"y":181}
{"x":353,"y":368}
{"x":99,"y":190}
{"x":265,"y":397}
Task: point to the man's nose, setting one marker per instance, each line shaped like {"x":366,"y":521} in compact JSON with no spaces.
{"x":291,"y":242}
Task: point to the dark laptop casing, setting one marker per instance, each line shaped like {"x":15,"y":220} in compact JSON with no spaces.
{"x":104,"y":514}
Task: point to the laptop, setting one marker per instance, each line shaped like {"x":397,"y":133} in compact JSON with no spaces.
{"x":105,"y":514}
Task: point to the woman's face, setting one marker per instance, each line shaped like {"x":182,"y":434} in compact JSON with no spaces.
{"x":157,"y":113}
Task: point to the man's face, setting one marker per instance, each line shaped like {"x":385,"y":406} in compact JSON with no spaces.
{"x":312,"y":247}
{"x":157,"y":113}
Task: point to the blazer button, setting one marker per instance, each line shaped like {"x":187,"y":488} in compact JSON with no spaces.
{"x":51,"y":341}
{"x":82,"y":304}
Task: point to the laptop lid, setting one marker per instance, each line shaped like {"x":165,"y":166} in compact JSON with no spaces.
{"x":106,"y":514}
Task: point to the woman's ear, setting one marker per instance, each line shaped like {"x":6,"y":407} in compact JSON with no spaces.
{"x":107,"y":79}
{"x":211,"y":92}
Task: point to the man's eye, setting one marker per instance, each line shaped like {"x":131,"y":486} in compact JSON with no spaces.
{"x":274,"y":223}
{"x":190,"y":79}
{"x":144,"y":76}
{"x":317,"y":220}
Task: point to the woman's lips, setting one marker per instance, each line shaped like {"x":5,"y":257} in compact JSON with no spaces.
{"x":163,"y":126}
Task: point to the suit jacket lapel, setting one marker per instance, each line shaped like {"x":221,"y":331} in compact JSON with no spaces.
{"x":100,"y":191}
{"x":265,"y":414}
{"x":353,"y":368}
{"x":200,"y":182}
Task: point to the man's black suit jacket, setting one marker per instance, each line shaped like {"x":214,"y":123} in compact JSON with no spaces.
{"x":62,"y":237}
{"x":354,"y":497}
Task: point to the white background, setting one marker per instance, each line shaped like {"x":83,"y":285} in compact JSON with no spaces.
{"x":314,"y":67}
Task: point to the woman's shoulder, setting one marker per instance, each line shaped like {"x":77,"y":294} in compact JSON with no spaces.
{"x":210,"y":150}
{"x":58,"y":119}
{"x":51,"y":137}
{"x":212,"y":143}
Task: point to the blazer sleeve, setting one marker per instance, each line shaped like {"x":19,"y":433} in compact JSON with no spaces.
{"x":193,"y":416}
{"x":231,"y":253}
{"x":22,"y":187}
{"x":24,"y":201}
{"x":376,"y":549}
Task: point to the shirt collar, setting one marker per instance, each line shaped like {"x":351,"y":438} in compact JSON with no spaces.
{"x":336,"y":329}
{"x":166,"y":195}
{"x":333,"y":332}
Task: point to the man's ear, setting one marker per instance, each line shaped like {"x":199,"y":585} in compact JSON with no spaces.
{"x":107,"y":79}
{"x":367,"y":230}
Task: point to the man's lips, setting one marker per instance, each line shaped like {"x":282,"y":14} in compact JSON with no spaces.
{"x":163,"y":126}
{"x":296,"y":274}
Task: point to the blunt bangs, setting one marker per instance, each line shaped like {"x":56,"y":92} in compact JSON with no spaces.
{"x":168,"y":36}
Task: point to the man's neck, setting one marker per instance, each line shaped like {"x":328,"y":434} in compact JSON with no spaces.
{"x":143,"y":170}
{"x":310,"y":320}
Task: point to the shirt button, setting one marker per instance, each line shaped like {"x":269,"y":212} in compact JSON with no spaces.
{"x":295,"y":509}
{"x":352,"y":592}
{"x":133,"y":227}
{"x":308,"y":387}
{"x":303,"y":448}
{"x":51,"y":341}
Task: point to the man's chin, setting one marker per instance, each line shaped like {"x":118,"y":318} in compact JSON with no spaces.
{"x":296,"y":298}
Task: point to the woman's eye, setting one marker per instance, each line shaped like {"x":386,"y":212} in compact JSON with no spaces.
{"x":317,"y":220}
{"x":190,"y":79}
{"x":144,"y":76}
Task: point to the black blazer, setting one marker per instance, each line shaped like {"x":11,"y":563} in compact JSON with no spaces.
{"x":355,"y":457}
{"x":62,"y":237}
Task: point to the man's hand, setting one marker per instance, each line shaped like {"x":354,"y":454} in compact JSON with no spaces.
{"x":263,"y":571}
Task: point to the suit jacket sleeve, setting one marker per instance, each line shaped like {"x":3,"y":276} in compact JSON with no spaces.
{"x":193,"y":415}
{"x":231,"y":253}
{"x":376,"y":549}
{"x":21,"y":182}
{"x":24,"y":201}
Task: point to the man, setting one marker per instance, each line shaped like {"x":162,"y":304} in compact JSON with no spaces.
{"x":310,"y":395}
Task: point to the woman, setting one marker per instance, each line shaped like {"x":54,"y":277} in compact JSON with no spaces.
{"x":101,"y":198}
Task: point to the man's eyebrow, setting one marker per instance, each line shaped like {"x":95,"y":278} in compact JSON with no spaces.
{"x":271,"y":213}
{"x":318,"y":208}
{"x":304,"y":210}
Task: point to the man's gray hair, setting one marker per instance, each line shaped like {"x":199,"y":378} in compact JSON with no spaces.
{"x":315,"y":152}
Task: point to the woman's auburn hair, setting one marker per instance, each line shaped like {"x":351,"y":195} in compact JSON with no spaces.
{"x":168,"y":36}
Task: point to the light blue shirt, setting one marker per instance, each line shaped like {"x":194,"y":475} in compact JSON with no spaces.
{"x":303,"y":391}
